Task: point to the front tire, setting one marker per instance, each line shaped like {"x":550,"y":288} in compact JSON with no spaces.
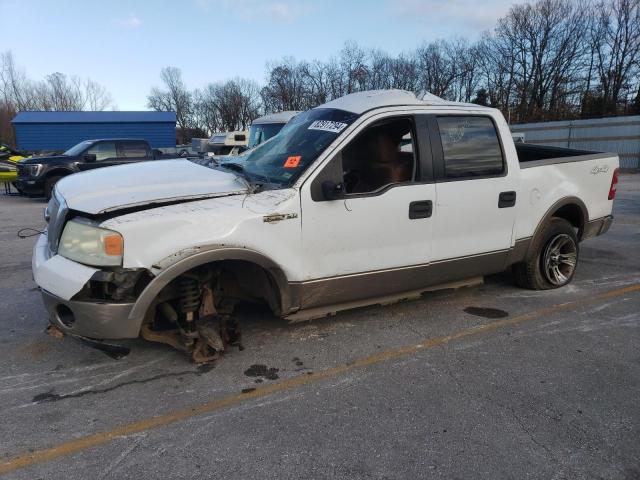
{"x":553,"y":261}
{"x":49,"y":184}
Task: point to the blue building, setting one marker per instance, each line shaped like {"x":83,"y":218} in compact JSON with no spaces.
{"x":51,"y":131}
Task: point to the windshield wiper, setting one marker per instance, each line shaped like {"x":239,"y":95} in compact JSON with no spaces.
{"x":236,"y":167}
{"x":240,"y":174}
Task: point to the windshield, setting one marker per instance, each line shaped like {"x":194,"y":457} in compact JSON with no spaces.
{"x":282,"y":159}
{"x":77,"y":149}
{"x":220,"y":149}
{"x":262,"y":132}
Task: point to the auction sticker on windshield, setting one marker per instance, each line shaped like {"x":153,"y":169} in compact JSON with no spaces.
{"x":292,"y":162}
{"x":328,"y":126}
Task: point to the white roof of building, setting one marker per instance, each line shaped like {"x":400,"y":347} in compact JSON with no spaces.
{"x":280,"y":117}
{"x":361,"y":102}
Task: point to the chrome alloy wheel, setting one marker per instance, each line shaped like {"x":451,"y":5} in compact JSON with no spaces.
{"x":559,"y":259}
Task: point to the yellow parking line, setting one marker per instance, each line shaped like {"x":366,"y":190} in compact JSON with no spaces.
{"x":67,"y":448}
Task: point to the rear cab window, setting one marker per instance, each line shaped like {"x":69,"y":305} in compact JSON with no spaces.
{"x":470,"y":147}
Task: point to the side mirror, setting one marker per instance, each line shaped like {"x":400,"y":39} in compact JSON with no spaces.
{"x":90,"y":157}
{"x":332,"y":190}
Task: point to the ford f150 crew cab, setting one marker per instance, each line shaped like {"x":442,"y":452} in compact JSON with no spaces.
{"x":38,"y":175}
{"x":370,"y":198}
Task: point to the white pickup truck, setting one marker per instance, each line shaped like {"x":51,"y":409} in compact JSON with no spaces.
{"x":370,"y":198}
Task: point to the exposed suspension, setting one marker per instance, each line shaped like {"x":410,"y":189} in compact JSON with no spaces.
{"x":190,"y":294}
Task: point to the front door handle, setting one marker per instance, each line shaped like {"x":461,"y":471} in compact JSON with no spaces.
{"x":506,"y":199}
{"x":421,"y":209}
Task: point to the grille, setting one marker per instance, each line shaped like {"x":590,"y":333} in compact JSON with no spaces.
{"x":57,"y":215}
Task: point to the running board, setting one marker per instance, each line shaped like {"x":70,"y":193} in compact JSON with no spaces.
{"x":330,"y":310}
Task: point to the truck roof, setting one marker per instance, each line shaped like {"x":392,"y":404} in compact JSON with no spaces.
{"x":280,"y":117}
{"x":361,"y":102}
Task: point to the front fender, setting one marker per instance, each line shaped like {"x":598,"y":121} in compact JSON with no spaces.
{"x":171,"y":267}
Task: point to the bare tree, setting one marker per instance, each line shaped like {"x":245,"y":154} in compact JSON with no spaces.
{"x":96,"y":96}
{"x":285,"y":89}
{"x":175,"y":97}
{"x":205,"y":111}
{"x":230,"y":105}
{"x":616,"y":43}
{"x":545,"y":44}
{"x":354,"y":67}
{"x":56,"y":92}
{"x":15,"y":87}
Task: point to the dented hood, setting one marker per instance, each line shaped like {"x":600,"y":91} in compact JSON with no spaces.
{"x":146,"y":183}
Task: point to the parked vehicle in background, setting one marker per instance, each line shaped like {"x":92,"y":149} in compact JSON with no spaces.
{"x":263,"y":128}
{"x":199,"y":145}
{"x":9,"y":158}
{"x":371,"y":198}
{"x":227,"y":143}
{"x":183,"y":150}
{"x":517,"y":137}
{"x":38,"y":175}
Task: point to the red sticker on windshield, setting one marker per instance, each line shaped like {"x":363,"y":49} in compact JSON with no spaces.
{"x":292,"y":162}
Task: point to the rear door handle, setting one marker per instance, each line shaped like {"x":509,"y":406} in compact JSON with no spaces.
{"x":506,"y":199}
{"x":421,"y":209}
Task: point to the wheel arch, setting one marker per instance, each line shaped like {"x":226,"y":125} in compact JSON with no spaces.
{"x":58,"y":172}
{"x":571,"y":209}
{"x":178,"y":264}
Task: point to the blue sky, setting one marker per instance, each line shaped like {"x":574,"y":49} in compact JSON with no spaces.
{"x":124,"y":44}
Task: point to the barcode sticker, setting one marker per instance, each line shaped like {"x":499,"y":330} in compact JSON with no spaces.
{"x":328,"y":126}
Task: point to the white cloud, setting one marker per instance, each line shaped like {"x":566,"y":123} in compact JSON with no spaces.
{"x":285,"y":11}
{"x":468,"y":14}
{"x":130,"y":22}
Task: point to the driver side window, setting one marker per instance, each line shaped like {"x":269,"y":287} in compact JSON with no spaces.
{"x":103,"y":151}
{"x":381,"y":155}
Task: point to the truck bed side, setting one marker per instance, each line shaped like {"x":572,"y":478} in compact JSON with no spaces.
{"x":550,"y":176}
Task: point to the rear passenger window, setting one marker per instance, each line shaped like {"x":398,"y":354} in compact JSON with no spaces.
{"x":471,"y":147}
{"x":133,"y":150}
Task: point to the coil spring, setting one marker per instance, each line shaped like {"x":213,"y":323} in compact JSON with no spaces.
{"x":190,"y":294}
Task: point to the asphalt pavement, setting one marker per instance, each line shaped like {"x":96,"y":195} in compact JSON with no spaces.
{"x":485,"y":382}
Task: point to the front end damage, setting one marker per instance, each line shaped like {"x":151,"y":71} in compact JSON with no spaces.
{"x":194,"y":312}
{"x":185,"y":299}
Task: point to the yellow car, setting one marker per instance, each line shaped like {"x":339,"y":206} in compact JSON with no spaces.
{"x":9,"y":164}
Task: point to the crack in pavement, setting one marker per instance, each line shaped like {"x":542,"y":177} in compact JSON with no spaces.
{"x":54,"y":397}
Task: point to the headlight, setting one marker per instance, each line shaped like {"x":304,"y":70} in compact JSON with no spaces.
{"x":34,"y":169}
{"x":91,"y":245}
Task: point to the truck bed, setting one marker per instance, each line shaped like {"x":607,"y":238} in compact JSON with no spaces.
{"x":538,"y":155}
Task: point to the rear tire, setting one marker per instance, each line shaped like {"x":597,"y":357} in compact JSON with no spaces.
{"x":49,"y":184}
{"x":553,"y":261}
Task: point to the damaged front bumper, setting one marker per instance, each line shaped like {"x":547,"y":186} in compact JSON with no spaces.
{"x":91,"y":319}
{"x":59,"y":280}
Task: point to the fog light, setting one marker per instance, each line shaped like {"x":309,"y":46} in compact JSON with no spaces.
{"x":65,"y":315}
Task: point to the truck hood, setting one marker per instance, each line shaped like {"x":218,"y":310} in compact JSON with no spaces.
{"x":146,"y":183}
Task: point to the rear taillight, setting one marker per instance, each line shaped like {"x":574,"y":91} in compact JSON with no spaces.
{"x":614,"y":185}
